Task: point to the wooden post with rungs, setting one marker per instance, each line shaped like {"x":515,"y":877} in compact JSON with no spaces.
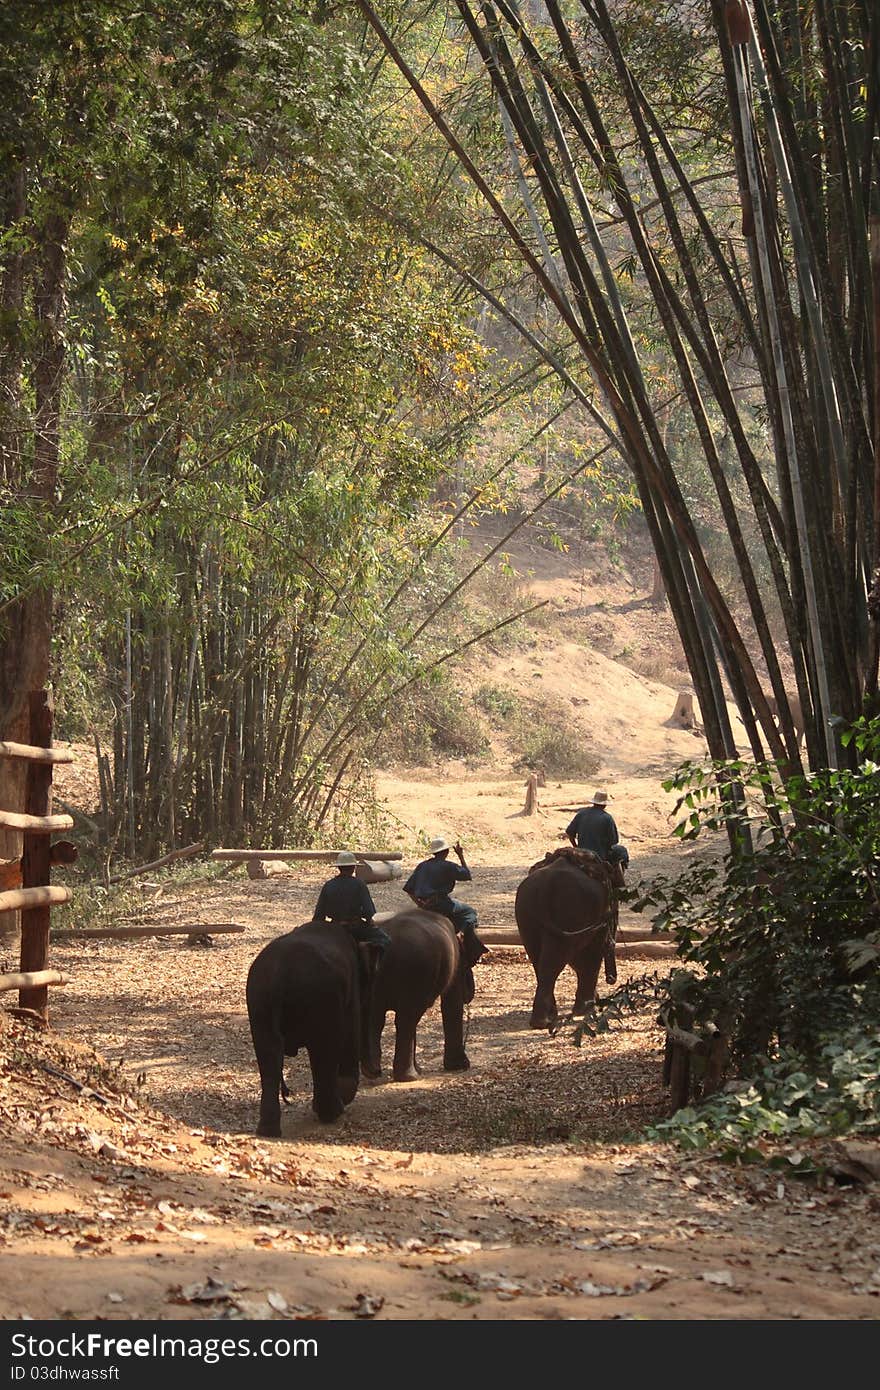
{"x":35,"y":857}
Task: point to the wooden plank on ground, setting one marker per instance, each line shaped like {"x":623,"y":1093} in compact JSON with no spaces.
{"x":30,"y":979}
{"x":35,"y":825}
{"x":317,"y":856}
{"x":29,"y":753}
{"x":135,"y":933}
{"x":47,"y":896}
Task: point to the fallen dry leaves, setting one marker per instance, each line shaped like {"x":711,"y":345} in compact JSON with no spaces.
{"x":513,"y":1190}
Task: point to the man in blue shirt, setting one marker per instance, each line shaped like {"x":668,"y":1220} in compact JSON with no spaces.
{"x":345,"y":900}
{"x":430,"y":885}
{"x":594,"y":829}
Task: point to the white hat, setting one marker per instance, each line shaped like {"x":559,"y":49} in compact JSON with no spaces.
{"x":439,"y":844}
{"x":599,"y":798}
{"x":345,"y":859}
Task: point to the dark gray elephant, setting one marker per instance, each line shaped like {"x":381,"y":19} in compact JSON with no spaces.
{"x":423,"y":963}
{"x":564,"y":913}
{"x":304,"y":990}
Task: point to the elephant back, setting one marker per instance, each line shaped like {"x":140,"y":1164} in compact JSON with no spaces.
{"x":559,"y":897}
{"x":423,"y":955}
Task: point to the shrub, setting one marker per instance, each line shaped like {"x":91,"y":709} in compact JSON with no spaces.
{"x":547,"y":737}
{"x":789,"y":1097}
{"x":789,"y":956}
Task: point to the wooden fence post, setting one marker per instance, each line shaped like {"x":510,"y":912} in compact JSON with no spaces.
{"x":35,"y":858}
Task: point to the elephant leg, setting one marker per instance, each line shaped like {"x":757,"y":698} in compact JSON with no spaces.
{"x":405,"y":1024}
{"x":550,"y":964}
{"x":269,"y":1050}
{"x":371,"y":1062}
{"x":587,"y":970}
{"x":452,"y":1010}
{"x":326,"y":1100}
{"x":350,"y":1060}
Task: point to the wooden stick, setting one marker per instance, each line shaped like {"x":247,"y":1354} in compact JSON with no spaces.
{"x":186,"y":853}
{"x":35,"y":825}
{"x":32,"y":754}
{"x":135,"y":933}
{"x":318,"y":856}
{"x":679,"y":1077}
{"x":680,"y":1037}
{"x":29,"y":979}
{"x":47,"y":896}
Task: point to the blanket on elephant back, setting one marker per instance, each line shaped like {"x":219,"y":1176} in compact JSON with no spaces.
{"x":583,"y":859}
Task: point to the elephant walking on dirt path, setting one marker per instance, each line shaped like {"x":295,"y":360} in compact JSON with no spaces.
{"x":304,"y":990}
{"x":424,"y":962}
{"x":564,"y":910}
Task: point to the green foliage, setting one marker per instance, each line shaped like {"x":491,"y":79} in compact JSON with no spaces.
{"x":497,"y":702}
{"x":629,"y":998}
{"x":788,"y":1097}
{"x":437,"y":720}
{"x":780,"y":936}
{"x":547,"y":737}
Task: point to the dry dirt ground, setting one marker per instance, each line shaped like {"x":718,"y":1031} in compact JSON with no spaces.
{"x":517,"y":1190}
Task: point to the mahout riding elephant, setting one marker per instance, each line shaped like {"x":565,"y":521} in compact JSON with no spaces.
{"x":423,"y":962}
{"x":563,"y":910}
{"x":305,"y":990}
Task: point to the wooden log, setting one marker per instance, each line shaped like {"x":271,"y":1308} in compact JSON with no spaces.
{"x":378,"y":871}
{"x":35,"y":825}
{"x":680,"y":1037}
{"x":317,"y":856}
{"x":679,"y":1077}
{"x":263,"y":868}
{"x":30,"y":753}
{"x":646,"y":950}
{"x":35,"y":862}
{"x":62,"y":852}
{"x":667,"y":1061}
{"x":186,"y":853}
{"x":135,"y":933}
{"x":21,"y":979}
{"x":46,"y":896}
{"x":716,"y":1061}
{"x":626,"y":935}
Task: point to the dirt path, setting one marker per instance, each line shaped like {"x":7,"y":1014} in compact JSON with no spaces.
{"x":516,"y":1190}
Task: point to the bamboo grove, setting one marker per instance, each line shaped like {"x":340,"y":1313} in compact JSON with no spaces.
{"x":653,"y":114}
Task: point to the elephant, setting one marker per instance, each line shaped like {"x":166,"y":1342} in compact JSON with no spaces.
{"x":424,"y":961}
{"x":304,"y":990}
{"x":564,"y":911}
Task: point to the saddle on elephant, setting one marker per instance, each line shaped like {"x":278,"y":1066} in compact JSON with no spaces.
{"x":583,"y":859}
